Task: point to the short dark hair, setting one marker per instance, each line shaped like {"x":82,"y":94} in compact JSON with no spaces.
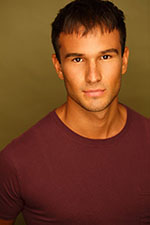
{"x":89,"y":14}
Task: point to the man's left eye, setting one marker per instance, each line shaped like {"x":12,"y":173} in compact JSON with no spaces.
{"x":77,"y":60}
{"x":106,"y":57}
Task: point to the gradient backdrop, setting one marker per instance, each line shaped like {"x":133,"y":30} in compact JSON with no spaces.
{"x":29,"y":87}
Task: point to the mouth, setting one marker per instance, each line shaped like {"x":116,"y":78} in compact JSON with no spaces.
{"x":94,"y":93}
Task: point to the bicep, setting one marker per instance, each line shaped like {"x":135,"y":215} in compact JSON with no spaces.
{"x":7,"y":222}
{"x":10,"y":201}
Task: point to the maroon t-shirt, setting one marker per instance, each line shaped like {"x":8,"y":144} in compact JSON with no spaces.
{"x":55,"y":176}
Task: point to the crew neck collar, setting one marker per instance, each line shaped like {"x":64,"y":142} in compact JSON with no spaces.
{"x":76,"y":137}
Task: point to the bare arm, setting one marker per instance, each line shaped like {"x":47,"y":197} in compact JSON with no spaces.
{"x":7,"y":222}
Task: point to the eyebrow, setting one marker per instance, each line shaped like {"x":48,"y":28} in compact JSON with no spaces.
{"x":73,"y":55}
{"x":111,"y":50}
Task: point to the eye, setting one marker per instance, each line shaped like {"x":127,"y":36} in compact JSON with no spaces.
{"x":77,"y":60}
{"x":105,"y":57}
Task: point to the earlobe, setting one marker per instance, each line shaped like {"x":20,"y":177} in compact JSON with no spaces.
{"x":125,"y":60}
{"x":57,"y":66}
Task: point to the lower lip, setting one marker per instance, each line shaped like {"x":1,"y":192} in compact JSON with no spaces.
{"x":97,"y":93}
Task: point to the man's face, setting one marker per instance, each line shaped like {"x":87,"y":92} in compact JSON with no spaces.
{"x":91,"y":67}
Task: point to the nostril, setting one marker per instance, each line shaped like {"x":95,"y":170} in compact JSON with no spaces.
{"x":93,"y":77}
{"x":93,"y":72}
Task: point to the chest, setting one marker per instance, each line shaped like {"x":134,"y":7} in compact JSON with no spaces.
{"x":98,"y":187}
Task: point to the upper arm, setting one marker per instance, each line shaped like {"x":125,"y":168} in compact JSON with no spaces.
{"x":7,"y":222}
{"x":10,"y":201}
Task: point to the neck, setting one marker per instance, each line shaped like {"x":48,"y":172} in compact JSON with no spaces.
{"x":94,"y":125}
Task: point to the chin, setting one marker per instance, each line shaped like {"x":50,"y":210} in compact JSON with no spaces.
{"x":97,"y":107}
{"x":94,"y":108}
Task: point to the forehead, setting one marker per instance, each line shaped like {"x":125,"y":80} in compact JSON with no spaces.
{"x":94,"y":40}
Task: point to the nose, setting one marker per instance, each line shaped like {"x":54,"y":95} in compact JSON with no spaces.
{"x":93,"y":74}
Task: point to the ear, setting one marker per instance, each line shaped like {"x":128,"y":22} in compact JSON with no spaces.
{"x":125,"y":60}
{"x":57,"y":66}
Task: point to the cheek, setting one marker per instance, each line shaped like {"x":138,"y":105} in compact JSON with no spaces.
{"x":113,"y":66}
{"x":73,"y":68}
{"x":112,"y":72}
{"x":73,"y":75}
{"x":72,"y":81}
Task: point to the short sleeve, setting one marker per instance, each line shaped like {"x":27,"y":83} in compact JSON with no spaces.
{"x":148,"y":128}
{"x":11,"y":203}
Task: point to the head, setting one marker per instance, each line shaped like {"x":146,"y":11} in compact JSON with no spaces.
{"x":89,"y":41}
{"x":88,"y":14}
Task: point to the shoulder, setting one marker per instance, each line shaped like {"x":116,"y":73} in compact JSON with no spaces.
{"x":31,"y":140}
{"x":138,"y":122}
{"x":136,"y":116}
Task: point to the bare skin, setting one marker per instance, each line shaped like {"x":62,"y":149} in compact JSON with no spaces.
{"x":94,"y":125}
{"x":92,"y":77}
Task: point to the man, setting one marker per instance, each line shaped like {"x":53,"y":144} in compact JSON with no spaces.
{"x":87,"y":162}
